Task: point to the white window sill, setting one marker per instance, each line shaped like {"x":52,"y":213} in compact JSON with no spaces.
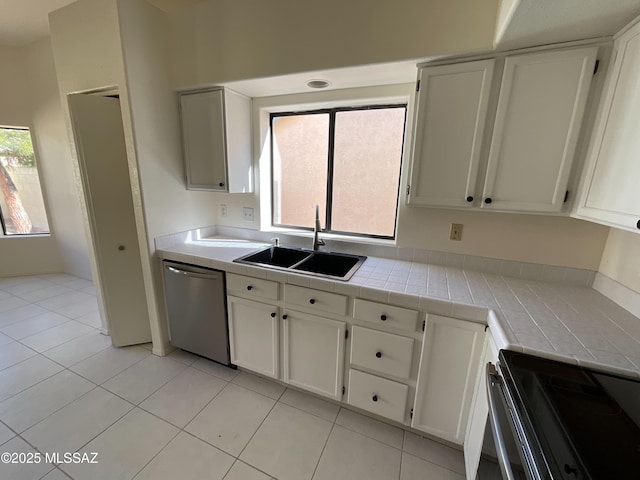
{"x":35,"y":235}
{"x":332,"y":236}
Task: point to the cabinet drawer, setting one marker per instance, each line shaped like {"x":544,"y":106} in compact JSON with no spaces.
{"x":388,"y":315}
{"x":315,"y":300}
{"x":378,"y":395}
{"x":380,"y":351}
{"x":250,"y":287}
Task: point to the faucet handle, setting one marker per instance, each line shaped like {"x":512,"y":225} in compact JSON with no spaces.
{"x":276,"y":241}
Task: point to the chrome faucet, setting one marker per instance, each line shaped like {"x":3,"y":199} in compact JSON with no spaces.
{"x":317,"y":242}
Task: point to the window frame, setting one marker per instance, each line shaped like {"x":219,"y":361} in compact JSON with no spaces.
{"x":332,"y":111}
{"x":3,"y":225}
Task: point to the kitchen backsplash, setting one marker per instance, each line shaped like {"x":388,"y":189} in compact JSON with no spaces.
{"x":508,"y":268}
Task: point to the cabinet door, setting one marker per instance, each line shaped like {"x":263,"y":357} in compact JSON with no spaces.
{"x":451,"y":111}
{"x":538,"y":118}
{"x":253,"y":335}
{"x":474,"y":438}
{"x":203,"y":139}
{"x":238,"y":136}
{"x":612,"y":193}
{"x":449,"y":365}
{"x":314,"y":353}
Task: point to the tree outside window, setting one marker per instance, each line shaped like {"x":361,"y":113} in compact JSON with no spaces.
{"x":21,"y":204}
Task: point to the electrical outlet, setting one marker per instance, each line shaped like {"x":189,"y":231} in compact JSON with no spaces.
{"x":456,"y":231}
{"x":247,"y":214}
{"x":223,"y":210}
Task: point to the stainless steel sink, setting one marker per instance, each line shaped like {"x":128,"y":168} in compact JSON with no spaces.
{"x":338,"y":266}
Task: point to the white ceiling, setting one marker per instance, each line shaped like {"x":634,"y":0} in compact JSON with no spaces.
{"x":539,"y":22}
{"x":25,"y":21}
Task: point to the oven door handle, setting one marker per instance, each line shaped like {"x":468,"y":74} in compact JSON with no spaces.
{"x":495,"y":380}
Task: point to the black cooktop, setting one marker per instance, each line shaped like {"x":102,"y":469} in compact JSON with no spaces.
{"x":587,"y":423}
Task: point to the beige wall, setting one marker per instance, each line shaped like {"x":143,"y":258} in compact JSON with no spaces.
{"x":527,"y":238}
{"x":56,"y":167}
{"x":621,"y":258}
{"x":223,"y":40}
{"x":168,"y":206}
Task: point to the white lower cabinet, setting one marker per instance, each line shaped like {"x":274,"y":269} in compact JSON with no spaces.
{"x":474,"y":438}
{"x":381,"y":364}
{"x":380,"y":351}
{"x":253,"y":335}
{"x":447,"y":375}
{"x":378,"y":395}
{"x":313,"y":352}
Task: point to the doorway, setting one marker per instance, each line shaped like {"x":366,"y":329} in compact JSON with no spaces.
{"x":96,"y":120}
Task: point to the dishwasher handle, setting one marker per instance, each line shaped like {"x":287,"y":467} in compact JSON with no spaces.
{"x":495,"y":380}
{"x":206,"y":276}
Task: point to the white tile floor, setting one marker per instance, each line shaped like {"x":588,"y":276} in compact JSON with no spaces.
{"x":63,"y":388}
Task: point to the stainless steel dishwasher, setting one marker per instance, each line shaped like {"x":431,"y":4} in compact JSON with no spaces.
{"x":196,"y":309}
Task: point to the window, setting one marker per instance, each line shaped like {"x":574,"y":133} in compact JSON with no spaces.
{"x":346,"y":160}
{"x":22,"y":209}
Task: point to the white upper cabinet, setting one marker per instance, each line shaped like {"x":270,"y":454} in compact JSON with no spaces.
{"x":452,"y":109}
{"x":216,"y":137}
{"x":610,"y":191}
{"x":538,"y":119}
{"x":538,"y":114}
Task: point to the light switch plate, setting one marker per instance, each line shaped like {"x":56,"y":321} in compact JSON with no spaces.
{"x":247,"y":214}
{"x":456,"y":231}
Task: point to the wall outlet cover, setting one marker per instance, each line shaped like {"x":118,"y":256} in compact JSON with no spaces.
{"x":247,"y":214}
{"x":456,"y":232}
{"x":223,"y":210}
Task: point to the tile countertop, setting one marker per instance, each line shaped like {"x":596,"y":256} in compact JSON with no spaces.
{"x":561,"y":322}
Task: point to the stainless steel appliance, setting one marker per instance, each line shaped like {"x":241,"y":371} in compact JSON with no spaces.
{"x":196,"y":309}
{"x":552,"y":420}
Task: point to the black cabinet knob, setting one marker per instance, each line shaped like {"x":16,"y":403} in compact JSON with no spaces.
{"x":249,"y":287}
{"x":284,"y":317}
{"x":273,"y":314}
{"x":488,"y":200}
{"x":469,"y":199}
{"x":378,"y":354}
{"x":638,"y":224}
{"x":374,"y":398}
{"x":312,"y":301}
{"x":221,"y":184}
{"x":383,"y":317}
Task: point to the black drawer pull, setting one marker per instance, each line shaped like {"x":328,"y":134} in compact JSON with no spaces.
{"x":221,"y":184}
{"x":249,"y":287}
{"x":312,"y":301}
{"x":488,"y":200}
{"x":273,"y":314}
{"x":378,"y":354}
{"x":638,"y":224}
{"x":284,"y":317}
{"x":469,"y":199}
{"x":374,"y":398}
{"x":383,"y":317}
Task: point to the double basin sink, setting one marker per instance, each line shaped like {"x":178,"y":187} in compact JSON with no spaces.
{"x":339,"y":266}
